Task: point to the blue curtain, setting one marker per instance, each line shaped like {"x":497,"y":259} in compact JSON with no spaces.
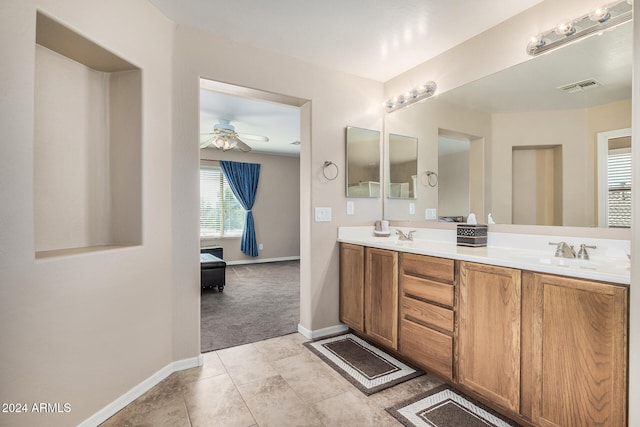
{"x":243,"y":180}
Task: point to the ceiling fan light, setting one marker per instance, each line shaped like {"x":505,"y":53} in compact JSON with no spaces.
{"x":218,"y":142}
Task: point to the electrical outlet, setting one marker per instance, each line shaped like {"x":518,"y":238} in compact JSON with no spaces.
{"x":412,"y":208}
{"x":350,"y":208}
{"x":430,"y":213}
{"x":260,"y":247}
{"x":323,"y":215}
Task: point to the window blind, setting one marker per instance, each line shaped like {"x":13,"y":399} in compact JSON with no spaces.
{"x":619,"y":182}
{"x":221,"y":215}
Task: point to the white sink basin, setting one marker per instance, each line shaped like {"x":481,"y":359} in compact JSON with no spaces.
{"x":555,"y":261}
{"x":584,"y":264}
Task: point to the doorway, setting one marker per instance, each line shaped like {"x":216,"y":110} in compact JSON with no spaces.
{"x":268,"y":127}
{"x":537,"y":185}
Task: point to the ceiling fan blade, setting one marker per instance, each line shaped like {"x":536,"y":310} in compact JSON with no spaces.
{"x":243,"y":146}
{"x":254,"y":137}
{"x":207,"y":142}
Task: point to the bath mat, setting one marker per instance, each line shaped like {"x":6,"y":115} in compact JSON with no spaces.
{"x":365,"y":366}
{"x":445,"y":407}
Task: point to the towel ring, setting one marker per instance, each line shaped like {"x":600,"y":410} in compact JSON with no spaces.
{"x":326,"y":164}
{"x":430,"y":182}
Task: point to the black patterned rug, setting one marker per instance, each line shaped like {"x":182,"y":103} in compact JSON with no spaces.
{"x":365,"y":366}
{"x":445,"y":407}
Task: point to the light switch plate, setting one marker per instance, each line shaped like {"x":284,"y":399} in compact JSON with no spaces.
{"x":430,"y":213}
{"x":323,"y":215}
{"x":350,"y":208}
{"x":412,"y":208}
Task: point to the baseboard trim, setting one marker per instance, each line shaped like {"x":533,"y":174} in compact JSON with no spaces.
{"x":138,"y":390}
{"x":321,"y":333}
{"x":261,"y":260}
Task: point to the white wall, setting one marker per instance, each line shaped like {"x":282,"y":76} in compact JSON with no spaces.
{"x":564,"y":128}
{"x":334,"y":101}
{"x":82,"y":329}
{"x":425,"y":121}
{"x":634,"y":302}
{"x":574,"y":130}
{"x":71,"y":145}
{"x":453,"y":181}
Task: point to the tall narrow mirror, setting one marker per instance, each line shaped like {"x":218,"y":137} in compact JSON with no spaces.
{"x":403,"y":167}
{"x":363,"y":162}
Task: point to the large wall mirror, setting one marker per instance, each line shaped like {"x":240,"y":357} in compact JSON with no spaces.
{"x":363,"y":162}
{"x":403,"y":167}
{"x":532,"y":135}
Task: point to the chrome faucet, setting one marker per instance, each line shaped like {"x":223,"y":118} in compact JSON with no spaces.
{"x":406,"y":237}
{"x":582,"y":253}
{"x":564,"y":250}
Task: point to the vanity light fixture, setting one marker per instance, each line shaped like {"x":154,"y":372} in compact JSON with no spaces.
{"x":411,"y":97}
{"x":600,"y":19}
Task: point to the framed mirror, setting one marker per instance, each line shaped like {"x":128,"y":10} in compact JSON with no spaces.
{"x":537,"y":124}
{"x":403,"y":167}
{"x":363,"y":162}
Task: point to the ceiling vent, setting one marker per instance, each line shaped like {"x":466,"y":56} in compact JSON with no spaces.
{"x":580,"y":86}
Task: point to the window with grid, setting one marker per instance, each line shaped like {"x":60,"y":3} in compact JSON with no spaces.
{"x":221,"y":215}
{"x":619,"y":180}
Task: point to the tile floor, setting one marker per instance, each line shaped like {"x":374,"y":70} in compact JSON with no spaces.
{"x":276,"y":382}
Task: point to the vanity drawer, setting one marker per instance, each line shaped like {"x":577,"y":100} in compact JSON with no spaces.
{"x":430,"y":314}
{"x":428,"y":266}
{"x":440,"y":293}
{"x":427,"y":347}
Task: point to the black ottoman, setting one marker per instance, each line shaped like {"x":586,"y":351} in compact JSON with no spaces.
{"x":212,"y":271}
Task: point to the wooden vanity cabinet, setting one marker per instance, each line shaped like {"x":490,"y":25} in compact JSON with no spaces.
{"x":381,"y":296}
{"x":551,"y":349}
{"x":352,"y":286}
{"x":427,"y":312}
{"x":574,"y":343}
{"x":489,"y":313}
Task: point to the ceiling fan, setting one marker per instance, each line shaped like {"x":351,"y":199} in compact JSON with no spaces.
{"x":224,"y":137}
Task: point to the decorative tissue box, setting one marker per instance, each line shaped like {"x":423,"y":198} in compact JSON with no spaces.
{"x":474,"y":235}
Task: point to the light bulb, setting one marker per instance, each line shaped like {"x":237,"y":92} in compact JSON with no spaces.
{"x":600,"y":15}
{"x":565,"y":29}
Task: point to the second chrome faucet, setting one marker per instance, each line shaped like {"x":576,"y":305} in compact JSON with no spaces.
{"x":566,"y":251}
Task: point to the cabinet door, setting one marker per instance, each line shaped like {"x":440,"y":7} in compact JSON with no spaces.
{"x":489,"y":332}
{"x":381,"y":296}
{"x":579,"y":366}
{"x":352,"y":286}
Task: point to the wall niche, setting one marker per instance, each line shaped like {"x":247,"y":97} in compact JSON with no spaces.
{"x":87,"y":145}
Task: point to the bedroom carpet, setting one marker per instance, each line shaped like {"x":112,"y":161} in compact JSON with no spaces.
{"x":260,"y":301}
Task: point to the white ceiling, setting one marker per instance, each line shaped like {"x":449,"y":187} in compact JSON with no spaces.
{"x":375,"y":39}
{"x":278,"y":122}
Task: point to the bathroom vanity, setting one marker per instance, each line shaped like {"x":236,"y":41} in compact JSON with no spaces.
{"x":539,"y":338}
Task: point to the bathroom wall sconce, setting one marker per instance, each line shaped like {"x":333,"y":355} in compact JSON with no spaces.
{"x":600,"y":19}
{"x":411,"y":97}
